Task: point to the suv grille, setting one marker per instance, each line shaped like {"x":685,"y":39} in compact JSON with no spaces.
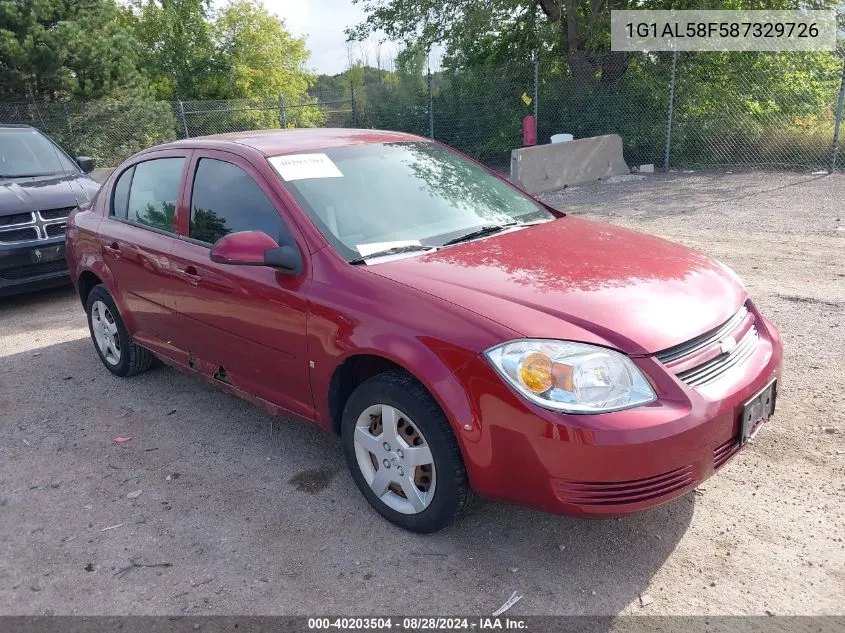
{"x":18,"y":235}
{"x":23,"y":227}
{"x":55,"y":214}
{"x":31,"y":270}
{"x":15,"y":218}
{"x":716,"y":360}
{"x":54,"y":230}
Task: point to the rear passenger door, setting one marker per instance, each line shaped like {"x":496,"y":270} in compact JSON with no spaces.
{"x":137,"y":237}
{"x":245,"y":325}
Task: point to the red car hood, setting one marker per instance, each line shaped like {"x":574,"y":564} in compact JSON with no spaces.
{"x":581,"y":280}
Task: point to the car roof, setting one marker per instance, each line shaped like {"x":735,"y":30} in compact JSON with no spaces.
{"x":276,"y":142}
{"x":16,"y":125}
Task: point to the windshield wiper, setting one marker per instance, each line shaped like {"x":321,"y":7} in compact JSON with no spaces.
{"x":484,"y":230}
{"x":396,"y":250}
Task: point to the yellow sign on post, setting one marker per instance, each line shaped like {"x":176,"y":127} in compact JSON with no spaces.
{"x":526,"y":99}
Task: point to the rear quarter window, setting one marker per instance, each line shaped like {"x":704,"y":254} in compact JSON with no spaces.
{"x":120,"y":196}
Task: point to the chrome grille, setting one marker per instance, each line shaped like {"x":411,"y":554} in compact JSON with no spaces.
{"x":26,"y":227}
{"x":54,"y":230}
{"x":18,"y":235}
{"x":700,"y":342}
{"x":55,"y":214}
{"x":15,"y":218}
{"x":714,"y":369}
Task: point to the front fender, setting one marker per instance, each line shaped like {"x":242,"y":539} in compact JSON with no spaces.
{"x":427,"y":365}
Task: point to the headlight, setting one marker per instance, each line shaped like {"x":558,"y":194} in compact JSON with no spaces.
{"x":571,"y":377}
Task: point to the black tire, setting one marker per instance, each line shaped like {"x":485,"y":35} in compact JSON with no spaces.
{"x":401,"y":391}
{"x":133,"y":358}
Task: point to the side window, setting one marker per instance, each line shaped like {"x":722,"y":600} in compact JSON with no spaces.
{"x":120,"y":196}
{"x":226,"y":199}
{"x":154,"y":192}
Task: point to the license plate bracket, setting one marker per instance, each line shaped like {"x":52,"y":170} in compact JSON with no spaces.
{"x":47,"y":254}
{"x":757,"y":410}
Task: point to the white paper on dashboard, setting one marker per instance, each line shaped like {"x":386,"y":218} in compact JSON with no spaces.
{"x":303,"y":166}
{"x":375,"y":247}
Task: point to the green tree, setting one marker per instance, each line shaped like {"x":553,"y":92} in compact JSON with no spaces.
{"x":178,"y":53}
{"x":262,"y":58}
{"x":493,"y":31}
{"x":54,"y":50}
{"x":263,"y":61}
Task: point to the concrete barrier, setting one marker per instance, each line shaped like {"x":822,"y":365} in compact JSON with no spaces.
{"x":549,"y":167}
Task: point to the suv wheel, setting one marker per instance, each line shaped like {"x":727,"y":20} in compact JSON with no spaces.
{"x":115,"y":347}
{"x":402,"y":453}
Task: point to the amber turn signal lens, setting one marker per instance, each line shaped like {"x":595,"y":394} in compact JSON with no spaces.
{"x":536,"y":372}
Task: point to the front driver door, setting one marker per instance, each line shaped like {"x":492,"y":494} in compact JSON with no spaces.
{"x":244,"y":324}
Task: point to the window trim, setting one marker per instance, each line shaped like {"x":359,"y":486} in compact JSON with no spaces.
{"x":153,"y":229}
{"x":191,"y":240}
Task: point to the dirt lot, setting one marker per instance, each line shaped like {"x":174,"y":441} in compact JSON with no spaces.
{"x":234,"y":518}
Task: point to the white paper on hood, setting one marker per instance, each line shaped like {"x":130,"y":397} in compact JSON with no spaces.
{"x":303,"y":166}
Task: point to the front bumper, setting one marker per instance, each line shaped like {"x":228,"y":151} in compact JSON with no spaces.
{"x":614,"y":463}
{"x":32,"y":266}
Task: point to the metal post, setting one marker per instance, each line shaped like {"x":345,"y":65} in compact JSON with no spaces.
{"x":184,"y":120}
{"x":354,"y":107}
{"x":838,"y":121}
{"x":536,"y":86}
{"x":430,"y":105}
{"x":671,"y":112}
{"x":283,"y":115}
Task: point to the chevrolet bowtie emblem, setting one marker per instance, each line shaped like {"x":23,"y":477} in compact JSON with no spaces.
{"x":727,"y":345}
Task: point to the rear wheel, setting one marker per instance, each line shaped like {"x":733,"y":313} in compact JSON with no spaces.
{"x":402,"y":453}
{"x":114,"y":346}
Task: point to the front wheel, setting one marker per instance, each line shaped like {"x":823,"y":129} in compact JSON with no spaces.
{"x":402,"y":453}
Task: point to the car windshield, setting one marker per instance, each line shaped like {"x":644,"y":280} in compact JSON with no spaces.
{"x":27,"y":152}
{"x":373,"y":198}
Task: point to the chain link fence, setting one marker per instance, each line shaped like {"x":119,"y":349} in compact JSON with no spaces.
{"x":679,"y":111}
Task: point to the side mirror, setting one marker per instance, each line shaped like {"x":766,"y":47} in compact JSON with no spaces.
{"x":86,"y":164}
{"x":255,"y":248}
{"x":287,"y":259}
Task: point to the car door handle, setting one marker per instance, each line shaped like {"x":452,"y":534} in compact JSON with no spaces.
{"x":189,"y":274}
{"x":113,"y":250}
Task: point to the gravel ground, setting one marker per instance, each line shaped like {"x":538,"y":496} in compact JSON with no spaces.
{"x":237,"y":515}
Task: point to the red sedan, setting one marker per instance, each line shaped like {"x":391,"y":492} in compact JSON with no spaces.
{"x":458,"y":334}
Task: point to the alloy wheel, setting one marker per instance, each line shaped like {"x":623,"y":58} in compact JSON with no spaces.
{"x":395,"y":459}
{"x":105,"y":333}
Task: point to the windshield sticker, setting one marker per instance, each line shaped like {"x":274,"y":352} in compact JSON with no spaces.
{"x":304,"y":166}
{"x":377,"y":247}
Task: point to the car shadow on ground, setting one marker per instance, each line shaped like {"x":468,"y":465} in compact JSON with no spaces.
{"x":229,"y":496}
